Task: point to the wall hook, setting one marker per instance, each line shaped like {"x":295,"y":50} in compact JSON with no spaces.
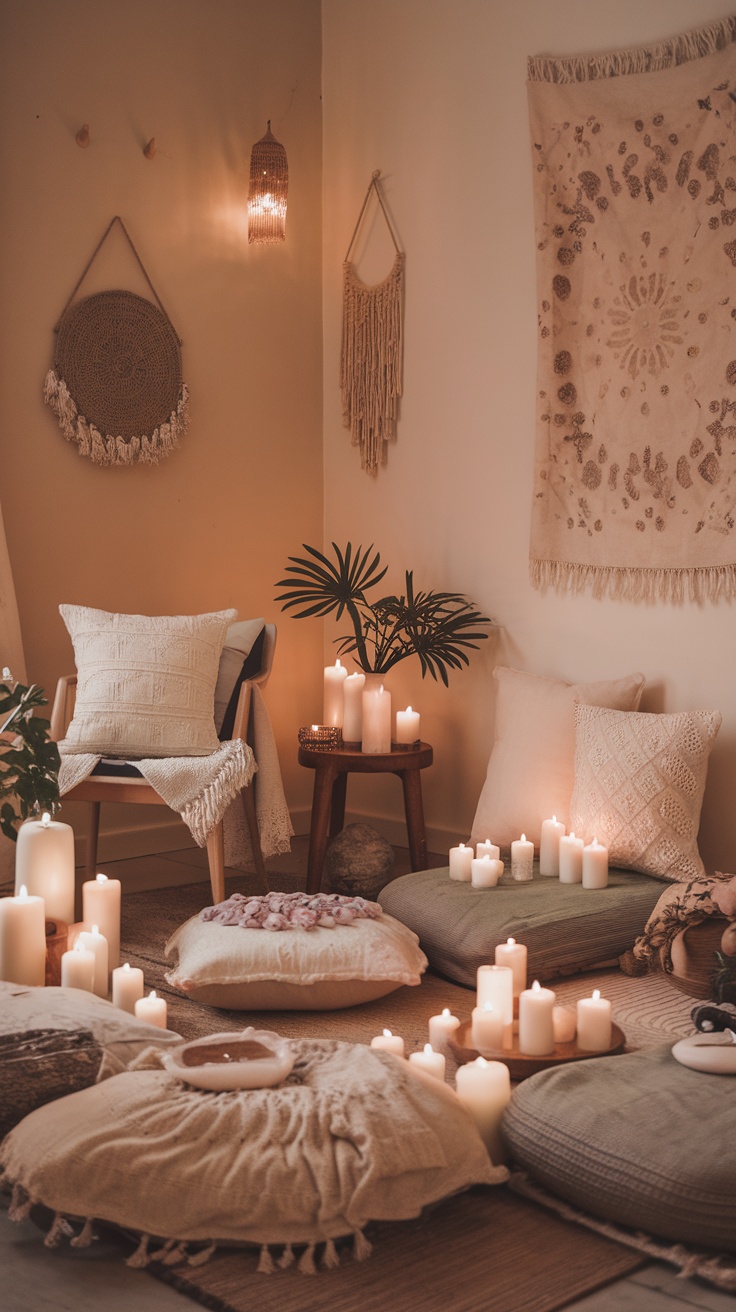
{"x":149,"y":150}
{"x":82,"y":137}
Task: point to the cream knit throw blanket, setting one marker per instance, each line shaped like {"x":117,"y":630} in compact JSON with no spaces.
{"x":635,"y":204}
{"x":205,"y":789}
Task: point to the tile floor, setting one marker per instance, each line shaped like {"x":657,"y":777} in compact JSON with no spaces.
{"x":35,"y":1279}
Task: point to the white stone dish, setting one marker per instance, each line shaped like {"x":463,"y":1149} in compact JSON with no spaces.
{"x":237,"y":1059}
{"x":715,"y":1053}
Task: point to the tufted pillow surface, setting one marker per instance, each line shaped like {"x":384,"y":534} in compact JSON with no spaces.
{"x":530,"y":771}
{"x":146,"y":684}
{"x":295,"y":970}
{"x":639,"y":784}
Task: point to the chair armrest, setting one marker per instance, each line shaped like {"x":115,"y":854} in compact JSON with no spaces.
{"x":242,"y":712}
{"x":63,"y":708}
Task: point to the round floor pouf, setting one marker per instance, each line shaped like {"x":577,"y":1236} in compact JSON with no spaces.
{"x":638,"y":1140}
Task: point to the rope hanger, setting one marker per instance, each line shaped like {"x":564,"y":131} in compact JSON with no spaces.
{"x":373,"y":186}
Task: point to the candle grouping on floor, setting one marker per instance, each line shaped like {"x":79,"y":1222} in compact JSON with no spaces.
{"x":564,"y":856}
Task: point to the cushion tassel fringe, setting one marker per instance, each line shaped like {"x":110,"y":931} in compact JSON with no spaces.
{"x":287,"y":1258}
{"x":85,"y":1236}
{"x":362,"y":1247}
{"x":306,"y":1262}
{"x":204,"y":812}
{"x":21,"y":1204}
{"x":204,"y":1255}
{"x":60,"y":1229}
{"x":330,"y":1257}
{"x":266,"y":1265}
{"x":141,"y":1257}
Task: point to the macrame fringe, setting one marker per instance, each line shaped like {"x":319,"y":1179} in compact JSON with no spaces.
{"x":85,"y":1236}
{"x":711,"y":583}
{"x":371,"y":367}
{"x":205,"y":811}
{"x":60,"y":1229}
{"x":287,"y":1258}
{"x":362,"y":1247}
{"x":719,"y":1270}
{"x":305,"y":1264}
{"x":330,"y":1257}
{"x":266,"y":1265}
{"x":642,"y":59}
{"x":108,"y":450}
{"x":20,"y":1204}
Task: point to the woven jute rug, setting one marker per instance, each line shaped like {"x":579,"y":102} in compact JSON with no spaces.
{"x":483,"y":1249}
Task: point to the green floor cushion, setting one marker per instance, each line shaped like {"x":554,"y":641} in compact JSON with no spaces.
{"x":566,"y":928}
{"x":639,"y":1140}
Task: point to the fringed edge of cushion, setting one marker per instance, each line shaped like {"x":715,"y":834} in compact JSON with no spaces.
{"x":109,"y":450}
{"x":717,"y":1268}
{"x":710,"y":583}
{"x":652,"y":58}
{"x":204,"y":812}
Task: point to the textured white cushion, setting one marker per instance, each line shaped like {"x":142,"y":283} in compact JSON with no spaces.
{"x":639,"y":783}
{"x":295,"y":970}
{"x":239,"y":639}
{"x":530,"y":771}
{"x":146,"y":684}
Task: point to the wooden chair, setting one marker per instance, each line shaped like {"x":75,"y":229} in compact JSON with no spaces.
{"x":99,"y":788}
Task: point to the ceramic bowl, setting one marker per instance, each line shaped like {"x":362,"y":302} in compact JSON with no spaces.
{"x":715,"y":1053}
{"x":238,"y":1059}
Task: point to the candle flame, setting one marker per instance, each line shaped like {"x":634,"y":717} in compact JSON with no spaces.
{"x":596,"y":995}
{"x":480,"y":1061}
{"x":23,"y":894}
{"x":338,"y":665}
{"x":126,"y":966}
{"x":428,"y":1049}
{"x":45,"y":819}
{"x":523,"y":838}
{"x":95,"y":929}
{"x":510,"y":942}
{"x":101,"y":879}
{"x":554,"y":819}
{"x":536,"y":986}
{"x":152,"y":994}
{"x":408,"y":710}
{"x":446,"y":1011}
{"x":488,"y":1006}
{"x":387,"y":1034}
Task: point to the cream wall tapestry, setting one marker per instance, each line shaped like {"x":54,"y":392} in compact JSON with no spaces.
{"x":634,"y":157}
{"x":116,"y":386}
{"x":371,"y":359}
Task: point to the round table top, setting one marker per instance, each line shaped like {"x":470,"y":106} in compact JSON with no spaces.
{"x":352,"y":759}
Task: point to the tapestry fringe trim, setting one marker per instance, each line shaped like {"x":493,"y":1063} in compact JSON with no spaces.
{"x":106,"y":449}
{"x":641,"y":59}
{"x":371,"y":360}
{"x":709,"y":583}
{"x":717,"y":1269}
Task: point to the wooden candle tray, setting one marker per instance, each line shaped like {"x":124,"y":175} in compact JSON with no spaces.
{"x":519,"y":1063}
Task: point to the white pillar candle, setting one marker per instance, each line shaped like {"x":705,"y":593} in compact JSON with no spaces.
{"x":571,"y":859}
{"x":430,"y":1061}
{"x":152,"y":1010}
{"x":522,"y":859}
{"x":549,"y":846}
{"x":513,"y":954}
{"x":44,"y":863}
{"x":564,"y":1024}
{"x":333,"y":701}
{"x":495,"y":985}
{"x":101,"y":907}
{"x":442,"y":1028}
{"x":595,"y":865}
{"x":487,"y":849}
{"x":352,"y":724}
{"x":486,"y":1029}
{"x":484,"y":1087}
{"x":389,"y":1042}
{"x":594,"y":1023}
{"x":96,"y":943}
{"x":536,"y":1028}
{"x":127,"y":987}
{"x":485,"y":872}
{"x":460,"y":862}
{"x":23,"y":939}
{"x":407,"y":726}
{"x":376,"y":737}
{"x":78,"y":969}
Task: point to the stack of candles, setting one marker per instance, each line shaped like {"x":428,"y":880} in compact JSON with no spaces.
{"x":570,"y":859}
{"x":479,"y":866}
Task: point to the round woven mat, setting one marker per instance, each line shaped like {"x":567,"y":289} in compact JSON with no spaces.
{"x":120,"y":359}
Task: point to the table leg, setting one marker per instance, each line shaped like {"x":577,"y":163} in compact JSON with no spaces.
{"x":337,"y":814}
{"x":412,"y":783}
{"x":324,"y":778}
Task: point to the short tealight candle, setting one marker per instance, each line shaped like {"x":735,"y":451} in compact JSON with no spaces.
{"x":407,"y":726}
{"x":522,"y":859}
{"x":595,"y":865}
{"x":486,"y":1029}
{"x":430,"y":1061}
{"x":485,"y":871}
{"x":389,"y":1042}
{"x":488,"y":849}
{"x":594,"y":1023}
{"x":78,"y":969}
{"x":564,"y":1024}
{"x":460,"y":862}
{"x":152,"y":1010}
{"x":536,"y":1028}
{"x":442,"y":1028}
{"x":127,"y":987}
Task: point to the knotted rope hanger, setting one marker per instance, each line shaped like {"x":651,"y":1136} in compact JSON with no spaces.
{"x":371,"y":358}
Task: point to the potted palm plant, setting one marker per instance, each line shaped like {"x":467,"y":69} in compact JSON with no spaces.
{"x":29,"y":760}
{"x":437,"y":627}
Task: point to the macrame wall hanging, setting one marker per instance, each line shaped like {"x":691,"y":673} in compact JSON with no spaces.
{"x":371,"y":359}
{"x":116,"y":385}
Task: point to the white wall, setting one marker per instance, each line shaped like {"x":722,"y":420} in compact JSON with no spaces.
{"x":432,"y":92}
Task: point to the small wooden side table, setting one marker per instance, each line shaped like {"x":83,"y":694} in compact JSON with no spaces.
{"x":331,"y":770}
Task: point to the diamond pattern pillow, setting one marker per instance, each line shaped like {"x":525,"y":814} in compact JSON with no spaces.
{"x":639,"y":783}
{"x":146,"y":684}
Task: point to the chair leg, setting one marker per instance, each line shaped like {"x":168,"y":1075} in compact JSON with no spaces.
{"x":249,"y":805}
{"x":216,"y":858}
{"x":93,"y":829}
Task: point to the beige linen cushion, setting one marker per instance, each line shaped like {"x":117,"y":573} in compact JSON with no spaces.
{"x":146,"y":684}
{"x":530,"y":771}
{"x":352,"y":1135}
{"x":294,"y":970}
{"x":639,"y":783}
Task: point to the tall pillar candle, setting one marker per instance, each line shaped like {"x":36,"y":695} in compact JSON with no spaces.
{"x":407,"y":726}
{"x":127,"y":987}
{"x":388,"y":1042}
{"x":78,"y":969}
{"x":442,"y":1028}
{"x":23,"y":939}
{"x":96,"y":943}
{"x":461,"y":859}
{"x":522,"y":859}
{"x":536,"y":1021}
{"x":487,"y":848}
{"x":376,"y":738}
{"x":495,"y":985}
{"x":486,"y":1029}
{"x":352,"y":724}
{"x":101,"y":907}
{"x":513,"y":954}
{"x":44,"y":863}
{"x":571,"y":859}
{"x":549,"y":846}
{"x":594,"y":1023}
{"x":484,"y":1087}
{"x":595,"y":865}
{"x":334,"y":695}
{"x":485,"y":872}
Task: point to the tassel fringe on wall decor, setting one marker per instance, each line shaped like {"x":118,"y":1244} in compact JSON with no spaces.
{"x":116,"y":386}
{"x":371,"y":359}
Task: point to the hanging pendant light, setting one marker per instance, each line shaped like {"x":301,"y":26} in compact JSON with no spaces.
{"x":269,"y":184}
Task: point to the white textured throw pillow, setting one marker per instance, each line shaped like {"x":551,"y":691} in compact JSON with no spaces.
{"x":146,"y":684}
{"x":639,"y":783}
{"x":530,"y":771}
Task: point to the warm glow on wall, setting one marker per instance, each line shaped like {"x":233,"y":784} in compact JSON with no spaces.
{"x":269,"y":184}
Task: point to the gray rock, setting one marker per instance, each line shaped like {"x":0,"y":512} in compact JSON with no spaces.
{"x":359,"y":861}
